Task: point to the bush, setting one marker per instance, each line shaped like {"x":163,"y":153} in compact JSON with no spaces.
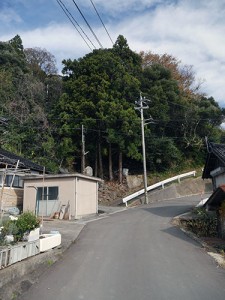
{"x":204,"y":224}
{"x":24,"y":224}
{"x":9,"y":228}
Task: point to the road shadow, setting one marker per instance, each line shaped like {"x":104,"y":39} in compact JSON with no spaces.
{"x":169,"y":210}
{"x":177,"y":233}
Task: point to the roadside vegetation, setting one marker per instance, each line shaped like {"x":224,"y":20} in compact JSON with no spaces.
{"x":18,"y":228}
{"x":203,"y":223}
{"x":206,"y":225}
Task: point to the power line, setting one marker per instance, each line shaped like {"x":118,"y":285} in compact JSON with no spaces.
{"x":101,"y":20}
{"x":68,"y":14}
{"x":88,"y":24}
{"x":78,"y":25}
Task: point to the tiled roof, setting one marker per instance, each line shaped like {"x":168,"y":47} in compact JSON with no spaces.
{"x":11,"y":159}
{"x":218,"y":150}
{"x":215,"y":158}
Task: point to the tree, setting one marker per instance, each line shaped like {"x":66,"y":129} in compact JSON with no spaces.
{"x":41,"y":61}
{"x":26,"y":100}
{"x":17,"y":44}
{"x":100,"y":90}
{"x":179,"y":111}
{"x":183,"y":74}
{"x":12,"y":57}
{"x":41,"y":113}
{"x":162,"y":154}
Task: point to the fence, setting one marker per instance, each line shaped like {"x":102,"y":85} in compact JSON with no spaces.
{"x":13,"y":254}
{"x":157,"y":185}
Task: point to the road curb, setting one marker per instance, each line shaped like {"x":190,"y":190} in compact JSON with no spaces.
{"x":219,"y":258}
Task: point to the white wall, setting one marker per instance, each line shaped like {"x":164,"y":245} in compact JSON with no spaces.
{"x":81,"y":193}
{"x":87,"y":197}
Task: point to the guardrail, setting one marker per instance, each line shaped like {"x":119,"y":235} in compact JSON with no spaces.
{"x":157,"y":185}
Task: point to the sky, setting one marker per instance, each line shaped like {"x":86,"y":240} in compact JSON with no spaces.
{"x":193,"y":31}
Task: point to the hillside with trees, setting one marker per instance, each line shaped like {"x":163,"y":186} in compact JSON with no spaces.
{"x":42,"y":113}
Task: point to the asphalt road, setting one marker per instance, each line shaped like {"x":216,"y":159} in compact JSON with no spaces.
{"x":133,"y":255}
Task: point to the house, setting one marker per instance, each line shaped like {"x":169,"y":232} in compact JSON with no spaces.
{"x":215,"y":164}
{"x":12,"y":171}
{"x":215,"y":169}
{"x":74,"y":194}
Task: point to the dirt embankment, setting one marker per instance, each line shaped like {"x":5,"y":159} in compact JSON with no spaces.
{"x":111,"y":193}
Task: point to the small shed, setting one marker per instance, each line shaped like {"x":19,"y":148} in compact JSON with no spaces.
{"x":74,"y":193}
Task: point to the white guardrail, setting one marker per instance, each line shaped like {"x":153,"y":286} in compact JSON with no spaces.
{"x":158,"y":184}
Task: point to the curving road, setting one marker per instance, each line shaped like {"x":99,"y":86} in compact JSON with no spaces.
{"x":134,"y":255}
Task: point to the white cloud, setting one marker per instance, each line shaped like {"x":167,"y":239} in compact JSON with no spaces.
{"x":192,"y":31}
{"x":9,"y":15}
{"x":194,"y":35}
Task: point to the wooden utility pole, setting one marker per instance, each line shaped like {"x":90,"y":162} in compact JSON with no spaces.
{"x":2,"y":192}
{"x":82,"y":150}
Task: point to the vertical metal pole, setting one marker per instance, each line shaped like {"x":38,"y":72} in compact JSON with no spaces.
{"x":143,"y":150}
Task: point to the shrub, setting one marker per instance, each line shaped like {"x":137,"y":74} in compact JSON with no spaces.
{"x":204,"y":224}
{"x":24,"y":224}
{"x":9,"y":228}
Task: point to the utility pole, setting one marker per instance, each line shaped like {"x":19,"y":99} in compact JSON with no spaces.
{"x":141,"y":106}
{"x":82,"y":150}
{"x":83,"y":153}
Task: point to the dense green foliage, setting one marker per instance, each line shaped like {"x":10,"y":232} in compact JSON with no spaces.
{"x":42,"y":113}
{"x":26,"y":101}
{"x":25,"y":223}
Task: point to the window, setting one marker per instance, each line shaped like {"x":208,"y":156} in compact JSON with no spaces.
{"x":17,"y":181}
{"x":50,"y":193}
{"x":8,"y":180}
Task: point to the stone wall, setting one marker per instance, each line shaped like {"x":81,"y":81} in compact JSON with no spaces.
{"x":12,"y":197}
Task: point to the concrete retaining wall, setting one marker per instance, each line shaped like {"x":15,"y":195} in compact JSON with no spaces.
{"x":187,"y":187}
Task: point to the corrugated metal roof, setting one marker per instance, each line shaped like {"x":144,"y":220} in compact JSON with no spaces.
{"x":9,"y":158}
{"x":59,"y":176}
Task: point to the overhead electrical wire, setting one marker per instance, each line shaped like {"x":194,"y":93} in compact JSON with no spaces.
{"x":71,"y":18}
{"x":159,"y":121}
{"x":88,"y":24}
{"x":101,"y":21}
